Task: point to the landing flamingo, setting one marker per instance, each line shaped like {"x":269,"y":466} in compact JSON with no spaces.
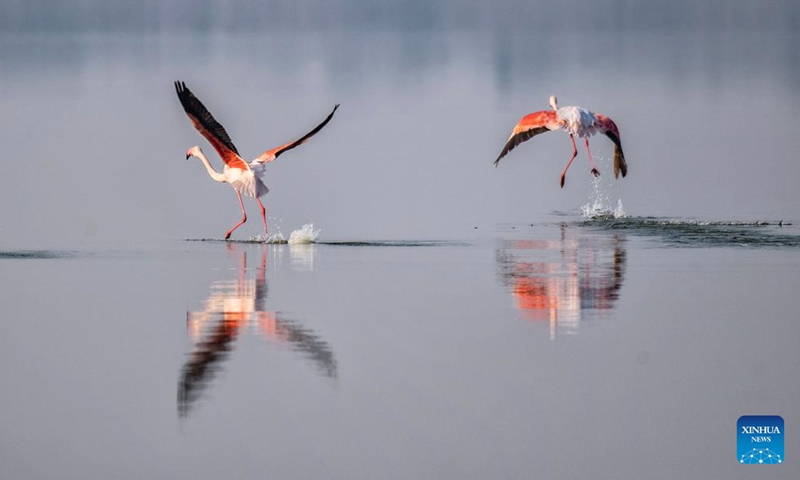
{"x":244,"y":177}
{"x":575,"y":121}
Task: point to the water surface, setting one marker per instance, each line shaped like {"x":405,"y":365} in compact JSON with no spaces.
{"x":542,"y":352}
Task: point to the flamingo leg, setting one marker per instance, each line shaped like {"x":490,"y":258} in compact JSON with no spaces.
{"x":244,"y":217}
{"x":595,"y":171}
{"x":574,"y":154}
{"x":263,"y":216}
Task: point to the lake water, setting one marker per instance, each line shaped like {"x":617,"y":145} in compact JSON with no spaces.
{"x":453,"y":319}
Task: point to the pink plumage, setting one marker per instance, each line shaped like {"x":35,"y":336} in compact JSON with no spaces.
{"x":576,"y":121}
{"x":244,"y":177}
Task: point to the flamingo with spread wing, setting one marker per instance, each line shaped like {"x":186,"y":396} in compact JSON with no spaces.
{"x":244,"y":177}
{"x":575,"y":121}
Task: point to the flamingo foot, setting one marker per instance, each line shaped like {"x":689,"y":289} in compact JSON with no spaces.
{"x":595,"y":172}
{"x":563,"y":177}
{"x":227,"y":235}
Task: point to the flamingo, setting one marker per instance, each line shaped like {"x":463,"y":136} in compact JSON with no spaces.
{"x":575,"y":121}
{"x":244,"y":177}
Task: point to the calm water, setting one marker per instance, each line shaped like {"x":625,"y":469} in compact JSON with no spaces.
{"x":566,"y":349}
{"x":455,"y":320}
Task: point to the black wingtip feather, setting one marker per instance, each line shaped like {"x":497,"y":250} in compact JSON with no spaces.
{"x":277,"y":152}
{"x":194,"y":107}
{"x":515,"y":140}
{"x":620,"y":165}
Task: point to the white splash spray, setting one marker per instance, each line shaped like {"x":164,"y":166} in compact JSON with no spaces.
{"x":599,"y":205}
{"x":274,"y":238}
{"x":305,"y":234}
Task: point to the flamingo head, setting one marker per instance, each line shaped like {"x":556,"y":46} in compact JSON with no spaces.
{"x":554,"y":102}
{"x":193,"y":152}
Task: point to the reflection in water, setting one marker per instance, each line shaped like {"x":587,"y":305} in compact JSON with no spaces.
{"x":557,"y":280}
{"x":302,"y":257}
{"x":232,"y":306}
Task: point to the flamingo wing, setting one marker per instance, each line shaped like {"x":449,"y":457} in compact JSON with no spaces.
{"x":528,"y":127}
{"x":609,"y":128}
{"x":271,"y":155}
{"x":209,"y":127}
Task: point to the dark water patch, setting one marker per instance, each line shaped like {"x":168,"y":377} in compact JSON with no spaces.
{"x":393,"y":243}
{"x":697,"y":233}
{"x":34,"y":254}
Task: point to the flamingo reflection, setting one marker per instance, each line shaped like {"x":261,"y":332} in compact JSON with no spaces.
{"x":558,"y":281}
{"x":232,"y":307}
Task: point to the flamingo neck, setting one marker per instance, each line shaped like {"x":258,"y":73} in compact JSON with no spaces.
{"x":216,"y":176}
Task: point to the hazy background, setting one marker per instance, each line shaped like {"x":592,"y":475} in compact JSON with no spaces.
{"x":705,"y":95}
{"x":538,"y":345}
{"x":411,"y":15}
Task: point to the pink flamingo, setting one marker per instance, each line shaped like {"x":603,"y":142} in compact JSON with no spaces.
{"x":575,"y":121}
{"x":244,"y":177}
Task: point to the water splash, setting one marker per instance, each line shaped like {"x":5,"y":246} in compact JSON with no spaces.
{"x":273,"y":238}
{"x":304,"y":235}
{"x":600,"y":206}
{"x":619,"y":210}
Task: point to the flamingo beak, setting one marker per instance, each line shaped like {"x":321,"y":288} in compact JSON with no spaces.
{"x":188,"y":155}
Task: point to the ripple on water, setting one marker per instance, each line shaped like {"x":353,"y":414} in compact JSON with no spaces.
{"x":697,"y":233}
